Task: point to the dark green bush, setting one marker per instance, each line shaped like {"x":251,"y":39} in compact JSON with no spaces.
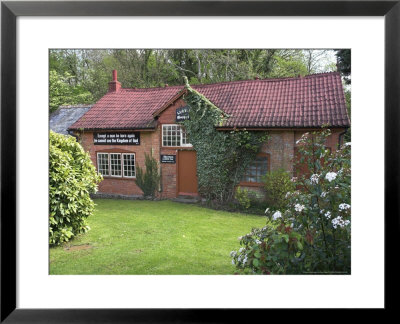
{"x":72,"y":178}
{"x":148,"y":180}
{"x":277,"y":184}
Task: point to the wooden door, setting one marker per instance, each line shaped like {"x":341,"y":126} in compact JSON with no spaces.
{"x":187,"y":178}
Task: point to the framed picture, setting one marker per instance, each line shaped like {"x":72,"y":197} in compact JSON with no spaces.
{"x":202,"y":24}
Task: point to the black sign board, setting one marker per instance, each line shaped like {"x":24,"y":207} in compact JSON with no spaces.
{"x":168,"y":158}
{"x":116,"y":138}
{"x":182,"y":114}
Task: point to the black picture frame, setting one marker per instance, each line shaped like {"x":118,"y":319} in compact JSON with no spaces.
{"x":11,"y":10}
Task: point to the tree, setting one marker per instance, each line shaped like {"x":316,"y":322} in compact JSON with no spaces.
{"x":343,"y":57}
{"x":62,"y":92}
{"x":90,"y":70}
{"x":347,"y":94}
{"x":317,"y":61}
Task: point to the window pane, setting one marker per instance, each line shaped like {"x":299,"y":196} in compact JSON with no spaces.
{"x":115,"y":162}
{"x":173,"y":135}
{"x":256,"y":170}
{"x":170,"y":135}
{"x":185,"y":140}
{"x":102,"y":164}
{"x":129,"y":165}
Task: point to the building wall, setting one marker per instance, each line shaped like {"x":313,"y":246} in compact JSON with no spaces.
{"x":280,"y":147}
{"x":169,"y":171}
{"x":123,"y":186}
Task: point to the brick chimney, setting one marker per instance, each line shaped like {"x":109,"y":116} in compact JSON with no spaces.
{"x":114,"y":85}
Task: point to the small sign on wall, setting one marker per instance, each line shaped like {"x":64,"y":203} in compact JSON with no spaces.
{"x":116,"y":138}
{"x":182,"y":114}
{"x":168,"y":158}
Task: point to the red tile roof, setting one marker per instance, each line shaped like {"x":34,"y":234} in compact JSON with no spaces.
{"x":309,"y":101}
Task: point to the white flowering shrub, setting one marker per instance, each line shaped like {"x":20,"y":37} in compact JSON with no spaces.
{"x":311,"y":233}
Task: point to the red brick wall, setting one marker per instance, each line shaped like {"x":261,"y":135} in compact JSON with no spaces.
{"x":150,"y":141}
{"x":281,"y":147}
{"x":123,"y":186}
{"x":331,"y":142}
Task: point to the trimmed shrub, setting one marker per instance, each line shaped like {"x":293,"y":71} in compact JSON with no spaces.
{"x":242,"y":197}
{"x":148,"y":180}
{"x":277,"y":184}
{"x":72,"y":178}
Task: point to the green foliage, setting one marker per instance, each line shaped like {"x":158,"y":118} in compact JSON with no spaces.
{"x":91,"y":69}
{"x":291,"y":66}
{"x":311,"y":234}
{"x":347,"y":94}
{"x":149,"y":179}
{"x":343,"y":57}
{"x":277,"y":184}
{"x":62,"y":92}
{"x":273,"y":249}
{"x":222,"y":156}
{"x":242,"y":196}
{"x":72,"y":178}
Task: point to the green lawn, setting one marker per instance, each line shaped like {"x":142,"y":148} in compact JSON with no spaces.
{"x":154,"y":237}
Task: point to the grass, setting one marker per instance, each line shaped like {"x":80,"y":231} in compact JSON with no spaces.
{"x":154,"y":237}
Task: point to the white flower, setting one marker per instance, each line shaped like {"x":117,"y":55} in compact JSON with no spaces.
{"x":276,"y":215}
{"x":294,"y":179}
{"x":338,"y":221}
{"x":328,"y":214}
{"x":323,"y":194}
{"x":245,"y":259}
{"x":258,"y":241}
{"x":233,"y":262}
{"x":344,"y":206}
{"x":302,"y":138}
{"x":241,"y":250}
{"x":330,"y":176}
{"x":233,"y":253}
{"x":314,"y":179}
{"x":335,"y":221}
{"x":299,"y":208}
{"x":347,"y":144}
{"x":287,"y":195}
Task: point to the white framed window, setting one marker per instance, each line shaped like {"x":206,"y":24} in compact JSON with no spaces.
{"x":174,"y":135}
{"x":184,"y":138}
{"x":129,"y":165}
{"x":116,"y":164}
{"x":102,"y":164}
